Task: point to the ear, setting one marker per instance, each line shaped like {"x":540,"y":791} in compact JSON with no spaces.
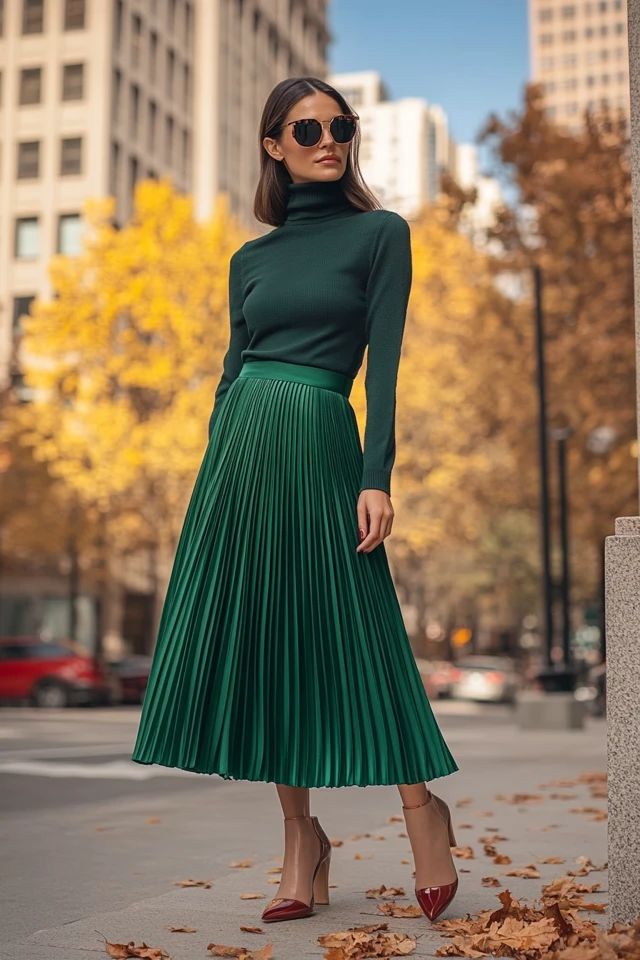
{"x":272,"y":147}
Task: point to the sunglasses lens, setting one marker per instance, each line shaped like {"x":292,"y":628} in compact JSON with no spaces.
{"x":307,"y":132}
{"x":342,"y":129}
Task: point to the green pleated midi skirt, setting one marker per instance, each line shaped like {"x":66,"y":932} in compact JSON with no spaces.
{"x":282,"y":654}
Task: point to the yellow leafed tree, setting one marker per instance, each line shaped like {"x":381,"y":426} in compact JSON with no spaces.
{"x":125,"y":359}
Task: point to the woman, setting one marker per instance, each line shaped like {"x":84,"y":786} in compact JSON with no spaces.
{"x":282,"y":654}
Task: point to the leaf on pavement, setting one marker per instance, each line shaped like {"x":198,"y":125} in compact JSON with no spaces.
{"x":181,"y":929}
{"x":242,"y":863}
{"x":193,"y":883}
{"x":529,"y":873}
{"x":252,"y":896}
{"x":383,"y":891}
{"x":252,"y":929}
{"x":549,"y":860}
{"x":491,"y":882}
{"x":242,"y":953}
{"x":519,"y":798}
{"x":394,"y":909}
{"x":464,"y":853}
{"x":360,"y":856}
{"x":464,"y":802}
{"x":123,"y":951}
{"x":336,"y":843}
{"x":361,"y":942}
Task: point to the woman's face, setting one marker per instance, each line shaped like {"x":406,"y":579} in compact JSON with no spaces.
{"x":307,"y":163}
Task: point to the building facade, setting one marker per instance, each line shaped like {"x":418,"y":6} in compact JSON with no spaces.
{"x":96,"y":95}
{"x":579,"y":53}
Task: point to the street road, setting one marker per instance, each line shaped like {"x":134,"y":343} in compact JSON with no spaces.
{"x":85,"y":833}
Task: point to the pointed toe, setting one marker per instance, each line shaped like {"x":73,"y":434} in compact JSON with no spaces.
{"x":435,"y":900}
{"x":287,"y":910}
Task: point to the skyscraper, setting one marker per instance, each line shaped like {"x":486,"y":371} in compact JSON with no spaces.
{"x":579,"y":53}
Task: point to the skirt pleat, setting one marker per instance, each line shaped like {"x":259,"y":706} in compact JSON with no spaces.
{"x":282,"y":654}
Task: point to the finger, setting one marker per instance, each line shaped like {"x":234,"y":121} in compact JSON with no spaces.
{"x":373,"y":538}
{"x":363,"y":520}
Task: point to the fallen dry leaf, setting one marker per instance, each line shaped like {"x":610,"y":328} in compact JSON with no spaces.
{"x":181,"y":929}
{"x":397,"y":910}
{"x":491,"y":882}
{"x":395,"y":818}
{"x":464,"y":802}
{"x":252,"y":929}
{"x":405,"y":861}
{"x":207,"y":884}
{"x":360,"y":942}
{"x":274,"y":870}
{"x":494,"y":839}
{"x":241,"y":863}
{"x":502,"y":859}
{"x":529,"y":873}
{"x":252,"y":896}
{"x":383,"y":891}
{"x":265,"y":953}
{"x":519,"y":798}
{"x":464,"y":826}
{"x":123,"y":951}
{"x":464,"y":853}
{"x":562,"y":796}
{"x":360,"y":856}
{"x":154,"y":820}
{"x":337,"y":843}
{"x":585,"y":866}
{"x":550,"y":826}
{"x":549,"y":860}
{"x":273,"y":880}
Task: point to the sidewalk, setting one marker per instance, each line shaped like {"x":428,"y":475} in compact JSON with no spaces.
{"x":242,"y":821}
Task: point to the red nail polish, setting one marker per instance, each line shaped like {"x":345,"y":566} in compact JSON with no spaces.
{"x":362,"y":534}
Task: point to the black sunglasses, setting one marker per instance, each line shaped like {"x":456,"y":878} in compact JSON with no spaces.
{"x":308,"y":132}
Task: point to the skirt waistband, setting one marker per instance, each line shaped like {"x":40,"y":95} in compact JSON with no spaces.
{"x":298,"y":373}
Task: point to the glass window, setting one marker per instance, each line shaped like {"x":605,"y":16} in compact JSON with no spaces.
{"x":602,"y":6}
{"x":134,"y":111}
{"x":73,"y":81}
{"x":605,"y":78}
{"x":569,"y":60}
{"x":117,"y":95}
{"x":70,"y":156}
{"x":569,"y":36}
{"x":133,"y":174}
{"x":168,"y":141}
{"x":547,"y":63}
{"x":171,"y":69}
{"x":117,"y":29}
{"x":153,"y":56}
{"x":589,"y":33}
{"x":618,"y":5}
{"x":32,"y":16}
{"x":27,"y":238}
{"x":188,"y":22}
{"x":74,"y":14}
{"x":151,"y":127}
{"x":546,"y":15}
{"x":28,"y":159}
{"x":1,"y":18}
{"x":69,"y":234}
{"x":546,"y":39}
{"x":30,"y":86}
{"x":21,"y":308}
{"x":590,"y":81}
{"x":604,"y":30}
{"x":186,"y":86}
{"x":114,"y":177}
{"x":569,"y":11}
{"x":136,"y":40}
{"x":619,"y":27}
{"x":622,"y":77}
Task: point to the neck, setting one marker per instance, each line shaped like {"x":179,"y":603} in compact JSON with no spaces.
{"x":316,"y":200}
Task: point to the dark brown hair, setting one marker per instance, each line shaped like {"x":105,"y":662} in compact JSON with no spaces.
{"x":272,"y":193}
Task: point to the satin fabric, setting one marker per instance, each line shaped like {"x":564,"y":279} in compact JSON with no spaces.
{"x":282,"y":655}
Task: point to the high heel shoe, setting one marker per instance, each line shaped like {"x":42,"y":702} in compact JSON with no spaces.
{"x":435,"y":899}
{"x":286,"y":909}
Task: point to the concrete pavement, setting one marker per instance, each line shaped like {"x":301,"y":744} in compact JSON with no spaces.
{"x":75,"y":865}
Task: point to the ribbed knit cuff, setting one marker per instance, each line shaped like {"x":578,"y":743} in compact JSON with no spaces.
{"x":376,"y":480}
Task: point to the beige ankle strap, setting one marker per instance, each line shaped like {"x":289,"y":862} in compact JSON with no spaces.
{"x":416,"y":805}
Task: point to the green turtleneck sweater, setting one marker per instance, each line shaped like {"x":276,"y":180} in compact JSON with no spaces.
{"x":318,"y":290}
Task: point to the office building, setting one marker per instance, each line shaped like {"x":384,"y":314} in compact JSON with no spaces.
{"x":579,"y":53}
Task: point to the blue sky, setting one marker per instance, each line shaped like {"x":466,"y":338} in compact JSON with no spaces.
{"x":470,"y":56}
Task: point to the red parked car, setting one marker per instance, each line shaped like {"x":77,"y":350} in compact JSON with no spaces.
{"x":52,"y":673}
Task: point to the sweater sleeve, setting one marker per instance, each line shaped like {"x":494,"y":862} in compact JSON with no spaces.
{"x":388,"y":289}
{"x":238,"y":339}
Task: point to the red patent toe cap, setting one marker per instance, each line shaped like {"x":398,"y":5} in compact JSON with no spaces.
{"x":434,"y":900}
{"x":287,"y":910}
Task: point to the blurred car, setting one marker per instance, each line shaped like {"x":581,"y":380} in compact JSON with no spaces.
{"x":133,"y":675}
{"x":593,"y":690}
{"x":486,"y":678}
{"x":53,"y":673}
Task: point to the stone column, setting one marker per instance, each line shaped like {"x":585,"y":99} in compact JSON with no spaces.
{"x":622,"y":614}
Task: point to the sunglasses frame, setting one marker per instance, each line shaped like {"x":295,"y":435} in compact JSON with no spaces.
{"x":338,"y":116}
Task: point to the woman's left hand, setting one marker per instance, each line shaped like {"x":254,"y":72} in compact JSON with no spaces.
{"x":375,"y":519}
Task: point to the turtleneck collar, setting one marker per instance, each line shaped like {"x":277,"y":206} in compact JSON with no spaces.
{"x":316,"y":200}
